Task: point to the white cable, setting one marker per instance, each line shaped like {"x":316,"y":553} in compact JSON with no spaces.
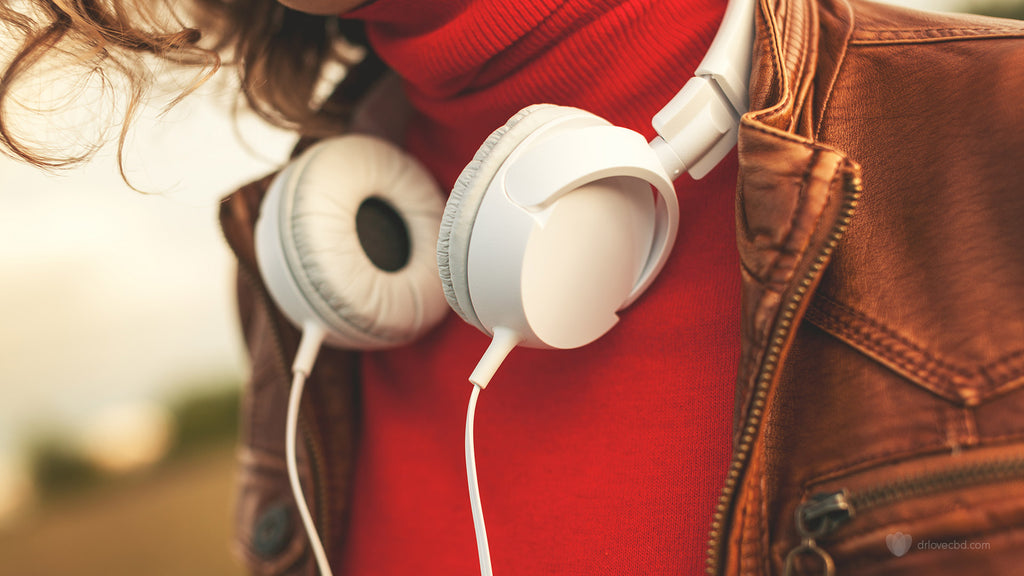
{"x":304,"y":360}
{"x":503,"y":341}
{"x":474,"y":488}
{"x":309,"y":345}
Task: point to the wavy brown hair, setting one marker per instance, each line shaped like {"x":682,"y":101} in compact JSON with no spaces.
{"x":125,"y":45}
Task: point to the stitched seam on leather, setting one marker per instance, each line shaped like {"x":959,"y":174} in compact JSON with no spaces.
{"x":1019,"y":354}
{"x":840,"y":61}
{"x":740,"y":523}
{"x":892,"y":356}
{"x":783,"y":246}
{"x":888,"y":457}
{"x":880,"y":334}
{"x":801,"y":37}
{"x":916,"y":32}
{"x":1013,"y":374}
{"x":900,"y":338}
{"x":778,"y":70}
{"x":810,"y":23}
{"x":872,"y":336}
{"x":933,"y":35}
{"x":890,"y":346}
{"x":746,"y":555}
{"x":1011,"y":384}
{"x":755,"y":123}
{"x":897,"y":457}
{"x":810,"y":58}
{"x":766,"y":544}
{"x":759,"y":521}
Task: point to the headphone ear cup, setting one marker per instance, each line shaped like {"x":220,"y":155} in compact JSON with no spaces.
{"x":321,"y":261}
{"x":564,"y":218}
{"x":464,"y":202}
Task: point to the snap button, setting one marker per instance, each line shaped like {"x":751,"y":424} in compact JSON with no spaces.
{"x":272,"y":530}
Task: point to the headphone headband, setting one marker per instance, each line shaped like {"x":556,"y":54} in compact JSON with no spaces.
{"x":699,"y":125}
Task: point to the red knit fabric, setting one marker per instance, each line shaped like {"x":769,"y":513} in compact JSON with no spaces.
{"x":602,"y":460}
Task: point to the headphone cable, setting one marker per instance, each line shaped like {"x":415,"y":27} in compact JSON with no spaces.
{"x":294,"y":398}
{"x":309,"y":345}
{"x":474,"y":488}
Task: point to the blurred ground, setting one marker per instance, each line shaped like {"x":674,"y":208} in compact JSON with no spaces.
{"x":173,"y":523}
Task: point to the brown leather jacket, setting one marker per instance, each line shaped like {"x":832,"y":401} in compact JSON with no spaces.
{"x":879,"y":401}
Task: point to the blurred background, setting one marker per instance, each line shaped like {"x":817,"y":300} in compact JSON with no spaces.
{"x":120,"y":357}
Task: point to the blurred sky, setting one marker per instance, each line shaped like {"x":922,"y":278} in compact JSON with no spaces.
{"x":108,"y":296}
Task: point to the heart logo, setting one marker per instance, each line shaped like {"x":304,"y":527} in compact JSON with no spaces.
{"x":898,"y":543}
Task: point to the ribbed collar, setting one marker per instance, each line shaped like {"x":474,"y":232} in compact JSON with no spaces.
{"x":470,"y":64}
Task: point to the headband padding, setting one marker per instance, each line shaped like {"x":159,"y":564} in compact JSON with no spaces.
{"x":355,"y":298}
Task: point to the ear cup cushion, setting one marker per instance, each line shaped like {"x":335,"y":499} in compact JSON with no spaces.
{"x":365,"y":306}
{"x":467,"y":193}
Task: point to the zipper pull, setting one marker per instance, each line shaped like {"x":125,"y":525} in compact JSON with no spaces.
{"x":823,"y":513}
{"x":815,"y":518}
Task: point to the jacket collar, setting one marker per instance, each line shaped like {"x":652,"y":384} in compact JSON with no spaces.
{"x":791,"y":189}
{"x":798,"y":50}
{"x":794,"y":199}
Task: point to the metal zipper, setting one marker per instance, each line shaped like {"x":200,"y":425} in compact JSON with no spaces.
{"x":852,"y":187}
{"x":814,"y":518}
{"x":823,"y":513}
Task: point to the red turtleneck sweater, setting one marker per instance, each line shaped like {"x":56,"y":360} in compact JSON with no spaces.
{"x":603,"y":460}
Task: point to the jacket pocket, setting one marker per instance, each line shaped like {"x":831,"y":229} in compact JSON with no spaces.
{"x":964,"y":382}
{"x":269,"y":537}
{"x":944,"y":514}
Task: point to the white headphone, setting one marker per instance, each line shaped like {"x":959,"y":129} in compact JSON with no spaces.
{"x":317,"y":243}
{"x":549,"y":231}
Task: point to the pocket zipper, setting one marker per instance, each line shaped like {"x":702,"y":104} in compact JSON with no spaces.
{"x":823,"y":513}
